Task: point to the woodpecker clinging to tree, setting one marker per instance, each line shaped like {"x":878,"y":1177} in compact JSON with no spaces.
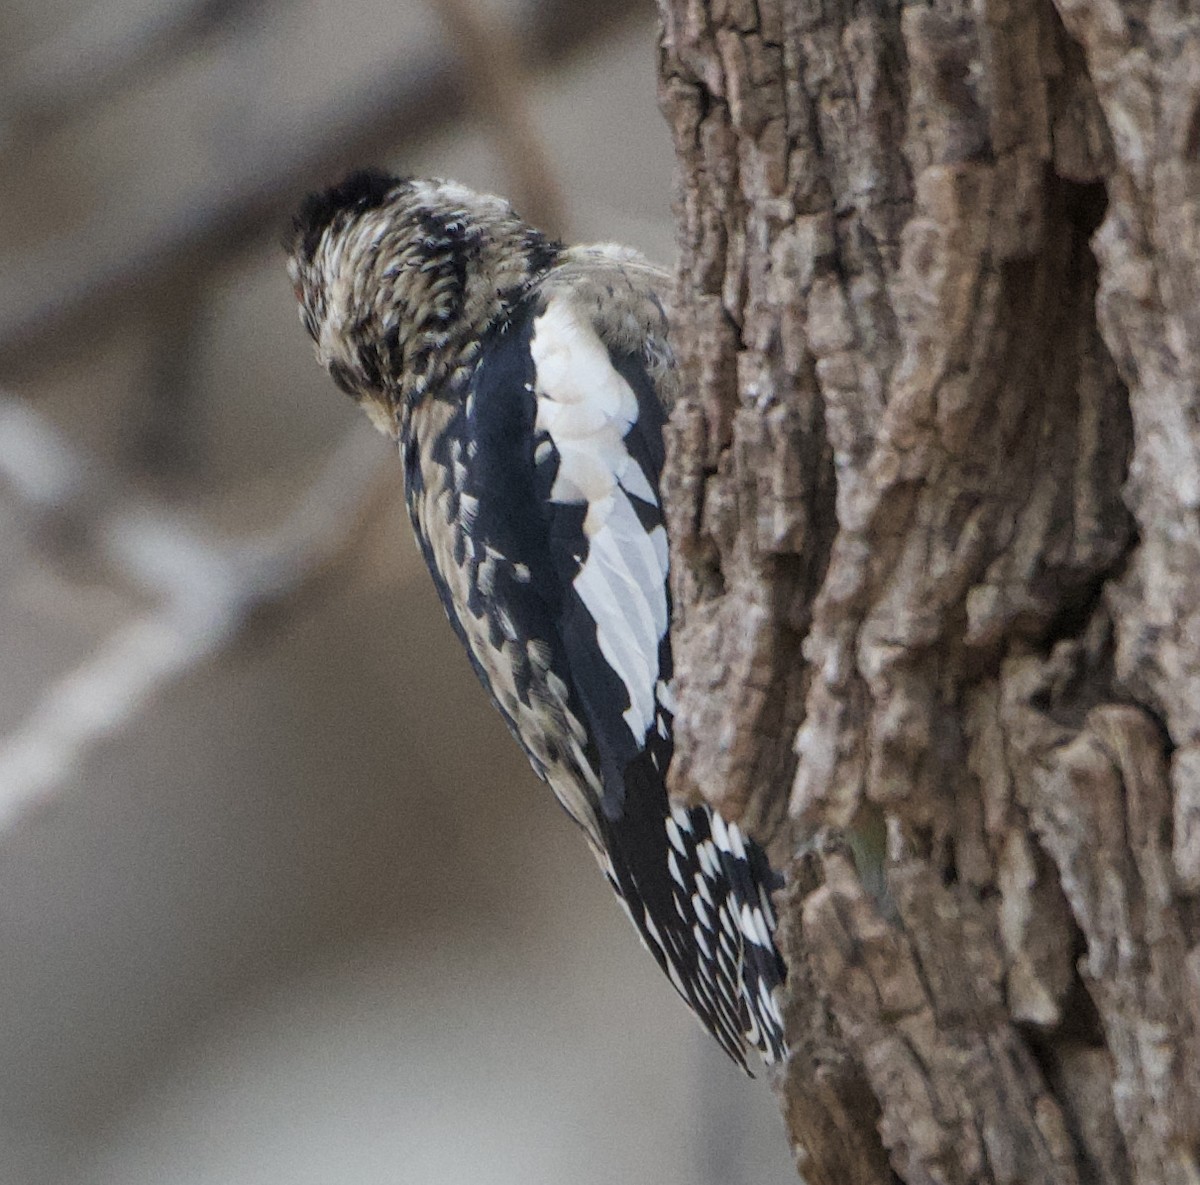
{"x":527,"y":384}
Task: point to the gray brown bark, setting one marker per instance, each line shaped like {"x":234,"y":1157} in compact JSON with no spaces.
{"x":934,"y":484}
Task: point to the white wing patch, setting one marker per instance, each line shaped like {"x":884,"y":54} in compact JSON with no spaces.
{"x":587,"y":409}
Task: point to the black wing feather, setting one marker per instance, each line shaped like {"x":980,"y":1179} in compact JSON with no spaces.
{"x":510,"y":476}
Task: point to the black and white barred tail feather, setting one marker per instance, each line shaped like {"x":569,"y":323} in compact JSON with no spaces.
{"x":527,"y":385}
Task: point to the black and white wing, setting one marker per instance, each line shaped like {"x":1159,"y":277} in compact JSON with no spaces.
{"x":538,"y":510}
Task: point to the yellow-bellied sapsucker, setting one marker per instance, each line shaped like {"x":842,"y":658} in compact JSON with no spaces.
{"x":527,"y":384}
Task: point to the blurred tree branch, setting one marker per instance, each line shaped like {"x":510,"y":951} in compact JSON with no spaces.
{"x":498,"y":83}
{"x":203,"y":591}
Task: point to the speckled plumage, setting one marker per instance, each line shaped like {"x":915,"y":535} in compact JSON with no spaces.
{"x":527,"y":385}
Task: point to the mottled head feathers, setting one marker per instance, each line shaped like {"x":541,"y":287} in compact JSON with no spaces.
{"x":399,"y":278}
{"x":364,"y":189}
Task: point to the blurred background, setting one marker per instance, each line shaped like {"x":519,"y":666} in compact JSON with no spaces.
{"x":280,"y":901}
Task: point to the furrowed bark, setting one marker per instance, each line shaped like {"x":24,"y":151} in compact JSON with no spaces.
{"x":933,"y":488}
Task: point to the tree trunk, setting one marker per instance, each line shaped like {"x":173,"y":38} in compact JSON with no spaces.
{"x":935,"y":493}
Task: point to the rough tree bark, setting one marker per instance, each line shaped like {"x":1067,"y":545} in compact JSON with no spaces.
{"x":935,"y":489}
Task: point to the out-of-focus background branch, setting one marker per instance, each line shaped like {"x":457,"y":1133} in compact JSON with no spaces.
{"x":280,"y":901}
{"x":205,"y":591}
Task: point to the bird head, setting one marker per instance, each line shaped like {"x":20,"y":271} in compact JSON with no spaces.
{"x":399,"y":278}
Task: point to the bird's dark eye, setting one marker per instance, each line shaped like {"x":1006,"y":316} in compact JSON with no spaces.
{"x":343,"y":376}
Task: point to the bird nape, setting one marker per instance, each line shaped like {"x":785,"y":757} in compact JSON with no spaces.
{"x":527,"y":384}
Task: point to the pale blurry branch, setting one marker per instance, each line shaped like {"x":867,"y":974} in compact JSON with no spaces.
{"x":498,"y":83}
{"x":205,"y":589}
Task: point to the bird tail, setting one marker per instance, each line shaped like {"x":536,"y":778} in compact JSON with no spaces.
{"x":737,"y":925}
